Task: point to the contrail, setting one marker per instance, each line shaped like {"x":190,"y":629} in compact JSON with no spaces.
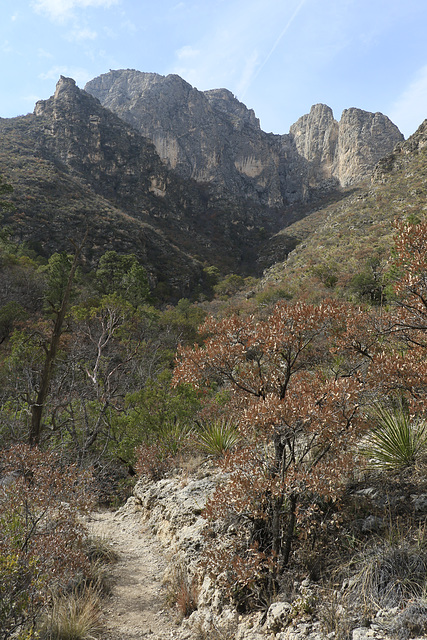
{"x":276,"y":44}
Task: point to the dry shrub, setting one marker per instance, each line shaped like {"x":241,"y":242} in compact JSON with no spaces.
{"x":41,"y":542}
{"x":182,"y":591}
{"x":410,"y":623}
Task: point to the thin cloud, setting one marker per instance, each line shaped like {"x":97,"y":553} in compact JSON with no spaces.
{"x":83,"y":33}
{"x":187,"y":53}
{"x":81,"y":76}
{"x":61,"y":10}
{"x":410,"y":109}
{"x":275,"y":45}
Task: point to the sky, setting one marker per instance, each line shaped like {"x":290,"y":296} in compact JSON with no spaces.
{"x":279,"y":57}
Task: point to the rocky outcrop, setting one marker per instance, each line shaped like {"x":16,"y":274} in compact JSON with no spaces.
{"x":364,"y":138}
{"x":212,"y":137}
{"x":403,"y":154}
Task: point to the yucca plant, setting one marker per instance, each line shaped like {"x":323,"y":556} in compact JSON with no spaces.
{"x":173,"y":437}
{"x":74,"y":617}
{"x":398,"y":441}
{"x":216,"y":437}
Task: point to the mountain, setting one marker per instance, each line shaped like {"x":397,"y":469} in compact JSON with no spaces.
{"x":212,"y":137}
{"x":346,"y":236}
{"x":181,"y":178}
{"x":74,"y":164}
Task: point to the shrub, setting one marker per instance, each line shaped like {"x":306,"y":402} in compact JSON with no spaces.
{"x":398,"y":442}
{"x":411,"y":623}
{"x":42,"y":535}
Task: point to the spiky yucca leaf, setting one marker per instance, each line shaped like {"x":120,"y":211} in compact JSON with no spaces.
{"x":216,"y":437}
{"x":398,"y":441}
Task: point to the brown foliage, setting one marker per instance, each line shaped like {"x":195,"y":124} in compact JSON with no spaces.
{"x":41,"y":533}
{"x":298,"y":420}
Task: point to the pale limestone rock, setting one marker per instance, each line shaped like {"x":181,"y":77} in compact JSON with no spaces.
{"x":214,"y":138}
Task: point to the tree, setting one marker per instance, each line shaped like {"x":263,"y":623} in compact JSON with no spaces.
{"x":298,"y":421}
{"x":60,"y":286}
{"x":123,"y":275}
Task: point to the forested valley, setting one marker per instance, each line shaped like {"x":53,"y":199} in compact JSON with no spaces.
{"x":303,"y":396}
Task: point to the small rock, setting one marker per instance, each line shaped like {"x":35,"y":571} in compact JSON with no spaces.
{"x":278,"y":616}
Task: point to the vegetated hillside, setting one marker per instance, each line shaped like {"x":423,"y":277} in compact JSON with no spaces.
{"x":340,"y":239}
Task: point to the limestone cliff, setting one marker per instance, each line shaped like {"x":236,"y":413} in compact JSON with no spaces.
{"x":212,"y":137}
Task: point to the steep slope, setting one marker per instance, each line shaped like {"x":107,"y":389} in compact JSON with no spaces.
{"x":73,"y":159}
{"x":346,"y":235}
{"x":212,"y":137}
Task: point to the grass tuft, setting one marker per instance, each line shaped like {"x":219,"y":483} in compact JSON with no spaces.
{"x":74,"y":617}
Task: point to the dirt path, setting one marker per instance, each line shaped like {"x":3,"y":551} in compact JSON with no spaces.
{"x":136,"y":607}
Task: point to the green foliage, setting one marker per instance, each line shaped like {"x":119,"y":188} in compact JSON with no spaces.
{"x":57,"y":271}
{"x":211,"y":277}
{"x":272,"y":294}
{"x":215,"y":437}
{"x":5,"y":189}
{"x":327,"y":273}
{"x":124,"y":276}
{"x":10,"y":313}
{"x":230,"y":285}
{"x":155,"y":413}
{"x":398,"y":442}
{"x":183,"y":320}
{"x":371,"y":284}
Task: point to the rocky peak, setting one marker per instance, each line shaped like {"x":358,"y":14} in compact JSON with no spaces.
{"x":213,"y":138}
{"x":315,"y":136}
{"x":401,"y":155}
{"x":224,"y":101}
{"x":364,"y":138}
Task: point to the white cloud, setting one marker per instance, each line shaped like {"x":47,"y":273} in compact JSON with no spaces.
{"x":248,"y":73}
{"x":187,"y":53}
{"x":60,"y":10}
{"x":82,"y":33}
{"x":410,"y":109}
{"x":42,"y":53}
{"x":81,"y":76}
{"x":237,"y":43}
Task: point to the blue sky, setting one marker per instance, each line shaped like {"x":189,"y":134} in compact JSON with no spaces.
{"x":277,"y":56}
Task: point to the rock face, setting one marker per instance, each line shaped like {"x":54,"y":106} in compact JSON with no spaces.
{"x":90,"y":168}
{"x":402,"y":155}
{"x":212,"y":137}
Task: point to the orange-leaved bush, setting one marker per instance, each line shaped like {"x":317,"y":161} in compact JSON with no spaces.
{"x":41,"y":533}
{"x":298,"y":421}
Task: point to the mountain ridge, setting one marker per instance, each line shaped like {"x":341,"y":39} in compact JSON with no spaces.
{"x":76,"y":163}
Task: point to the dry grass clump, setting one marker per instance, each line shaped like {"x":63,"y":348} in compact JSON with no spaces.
{"x":182,"y":591}
{"x":76,"y":616}
{"x":389,"y":576}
